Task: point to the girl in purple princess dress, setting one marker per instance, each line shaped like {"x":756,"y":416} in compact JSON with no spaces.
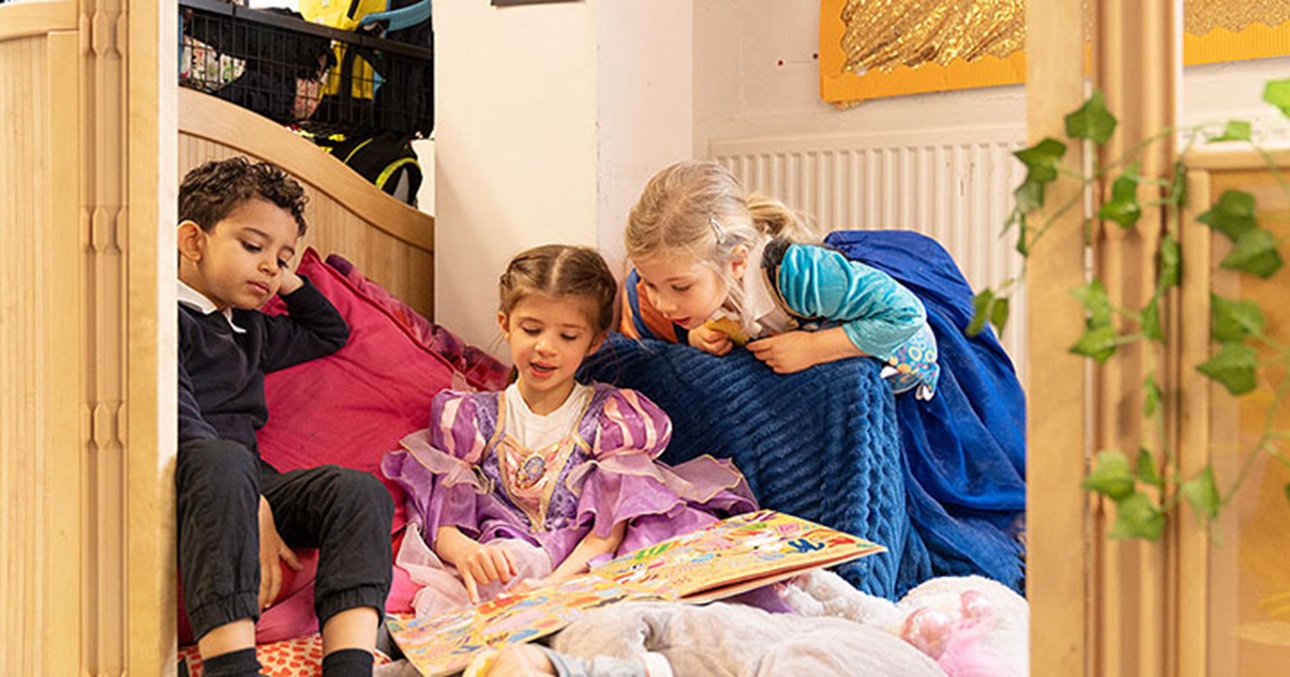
{"x":532,"y":485}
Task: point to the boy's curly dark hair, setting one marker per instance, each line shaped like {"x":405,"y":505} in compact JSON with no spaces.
{"x":209,"y":193}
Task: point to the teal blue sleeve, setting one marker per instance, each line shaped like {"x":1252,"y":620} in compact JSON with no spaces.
{"x":877,"y":313}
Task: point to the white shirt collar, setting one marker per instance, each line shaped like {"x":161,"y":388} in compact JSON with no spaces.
{"x":759,"y":305}
{"x":199,"y":302}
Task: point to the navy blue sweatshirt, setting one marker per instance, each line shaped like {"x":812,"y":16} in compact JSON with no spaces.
{"x":221,"y":372}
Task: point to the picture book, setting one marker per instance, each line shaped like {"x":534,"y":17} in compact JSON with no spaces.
{"x":734,"y":555}
{"x":723,"y":559}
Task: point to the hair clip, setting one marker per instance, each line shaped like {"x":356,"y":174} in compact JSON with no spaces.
{"x":717,"y":230}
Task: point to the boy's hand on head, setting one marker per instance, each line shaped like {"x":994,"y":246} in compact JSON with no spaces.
{"x":272,"y":549}
{"x":710,"y":340}
{"x":487,"y":563}
{"x":290,"y":282}
{"x":786,"y":353}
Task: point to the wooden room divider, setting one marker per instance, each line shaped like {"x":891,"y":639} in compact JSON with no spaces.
{"x":87,"y":179}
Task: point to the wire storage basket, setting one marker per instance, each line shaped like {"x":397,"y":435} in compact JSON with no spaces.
{"x":323,"y":80}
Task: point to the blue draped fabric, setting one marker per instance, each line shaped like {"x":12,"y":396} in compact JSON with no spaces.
{"x":963,"y":460}
{"x":821,"y":444}
{"x":965,"y":450}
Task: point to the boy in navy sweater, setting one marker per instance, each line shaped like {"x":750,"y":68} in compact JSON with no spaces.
{"x":237,"y":515}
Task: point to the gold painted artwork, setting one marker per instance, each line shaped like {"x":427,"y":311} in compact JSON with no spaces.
{"x":874,"y":48}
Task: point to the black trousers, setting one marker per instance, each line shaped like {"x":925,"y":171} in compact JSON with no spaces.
{"x":344,"y":513}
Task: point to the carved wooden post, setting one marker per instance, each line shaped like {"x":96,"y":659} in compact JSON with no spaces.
{"x":1136,"y":56}
{"x":1057,"y":578}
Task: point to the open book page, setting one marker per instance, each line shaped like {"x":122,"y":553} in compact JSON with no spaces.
{"x":725,"y":558}
{"x":734,"y":555}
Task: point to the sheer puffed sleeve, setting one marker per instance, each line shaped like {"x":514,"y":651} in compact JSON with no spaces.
{"x":877,"y":313}
{"x":437,"y":465}
{"x":623,"y":482}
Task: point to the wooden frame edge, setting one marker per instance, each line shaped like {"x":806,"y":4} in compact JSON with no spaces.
{"x":28,"y":19}
{"x":214,"y":119}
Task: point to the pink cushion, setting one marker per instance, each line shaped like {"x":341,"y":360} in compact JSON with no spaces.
{"x":480,"y":370}
{"x":351,"y":407}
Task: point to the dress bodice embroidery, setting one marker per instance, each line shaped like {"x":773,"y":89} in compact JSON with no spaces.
{"x":529,"y":477}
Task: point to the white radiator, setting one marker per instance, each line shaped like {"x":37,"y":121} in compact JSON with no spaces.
{"x":956,"y":190}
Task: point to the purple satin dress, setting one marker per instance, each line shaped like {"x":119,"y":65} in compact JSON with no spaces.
{"x":466,"y":471}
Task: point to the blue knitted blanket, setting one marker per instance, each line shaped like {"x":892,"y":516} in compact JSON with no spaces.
{"x":821,"y":444}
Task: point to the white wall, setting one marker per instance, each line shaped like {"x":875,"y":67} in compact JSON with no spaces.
{"x":515,"y":145}
{"x":552,"y":117}
{"x":646,"y":104}
{"x":549,"y":118}
{"x":742,"y":90}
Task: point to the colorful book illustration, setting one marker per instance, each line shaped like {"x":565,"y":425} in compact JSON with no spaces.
{"x":725,"y":558}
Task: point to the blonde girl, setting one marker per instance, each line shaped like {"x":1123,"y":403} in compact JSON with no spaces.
{"x":718,"y":268}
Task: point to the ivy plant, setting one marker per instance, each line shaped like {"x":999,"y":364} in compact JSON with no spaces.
{"x":1146,"y":485}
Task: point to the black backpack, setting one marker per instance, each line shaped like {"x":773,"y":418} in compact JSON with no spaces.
{"x":386,"y":159}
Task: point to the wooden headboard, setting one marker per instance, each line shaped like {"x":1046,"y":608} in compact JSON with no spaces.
{"x":389,"y":241}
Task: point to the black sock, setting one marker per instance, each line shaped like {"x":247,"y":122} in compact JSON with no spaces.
{"x":348,"y":663}
{"x":232,"y":664}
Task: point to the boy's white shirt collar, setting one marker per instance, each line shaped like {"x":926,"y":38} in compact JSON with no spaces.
{"x":199,"y":302}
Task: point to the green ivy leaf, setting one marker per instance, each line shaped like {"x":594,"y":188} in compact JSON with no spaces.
{"x":1234,"y":366}
{"x":1093,"y":297}
{"x":1091,"y":121}
{"x":1236,"y":130}
{"x":1029,"y":196}
{"x":1277,"y":93}
{"x":1231,"y":320}
{"x":1111,"y":476}
{"x":1232,"y":215}
{"x":1147,"y":472}
{"x":1202,"y":493}
{"x":1287,"y":490}
{"x":1170,"y":262}
{"x":1137,"y":517}
{"x":1042,"y":160}
{"x":1097,"y":342}
{"x":1123,"y":207}
{"x":1023,"y":247}
{"x":1177,"y":185}
{"x":1151,"y":320}
{"x":1255,"y":253}
{"x":980,"y":311}
{"x":1152,"y":398}
{"x":999,"y":315}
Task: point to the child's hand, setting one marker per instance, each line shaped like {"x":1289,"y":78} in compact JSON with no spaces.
{"x":272,"y":548}
{"x":487,"y":563}
{"x":290,"y":282}
{"x":786,"y":353}
{"x":710,"y":340}
{"x":533,"y":584}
